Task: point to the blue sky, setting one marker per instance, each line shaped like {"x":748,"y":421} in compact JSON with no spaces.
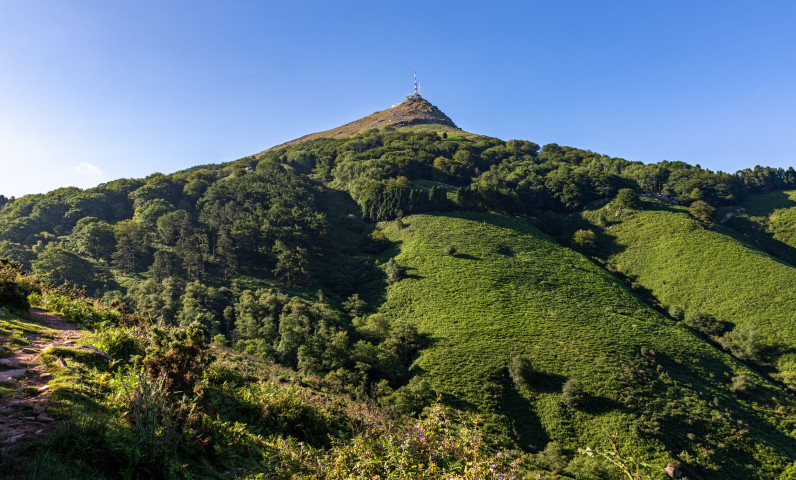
{"x":91,"y":91}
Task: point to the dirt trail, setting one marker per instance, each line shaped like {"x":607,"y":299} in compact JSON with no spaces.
{"x":24,"y":416}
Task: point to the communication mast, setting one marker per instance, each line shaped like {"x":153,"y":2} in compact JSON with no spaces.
{"x":416,"y":95}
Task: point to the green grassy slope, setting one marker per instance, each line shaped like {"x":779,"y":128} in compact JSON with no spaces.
{"x":512,"y":290}
{"x":768,"y":220}
{"x":709,"y":270}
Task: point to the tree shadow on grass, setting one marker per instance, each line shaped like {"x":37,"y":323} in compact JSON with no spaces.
{"x":525,"y":423}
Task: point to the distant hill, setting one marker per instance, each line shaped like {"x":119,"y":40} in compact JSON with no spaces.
{"x":413,"y":111}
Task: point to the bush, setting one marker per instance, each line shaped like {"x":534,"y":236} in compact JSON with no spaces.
{"x":583,"y":239}
{"x":438,"y":446}
{"x":702,"y":211}
{"x":742,"y":383}
{"x":627,"y":198}
{"x":14,"y":290}
{"x":704,"y":323}
{"x":394,"y":272}
{"x":179,"y":355}
{"x":572,"y":394}
{"x":521,"y":370}
{"x":121,"y":343}
{"x":676,"y":312}
{"x":744,"y":343}
{"x":449,"y":250}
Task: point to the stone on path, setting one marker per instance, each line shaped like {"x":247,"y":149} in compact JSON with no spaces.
{"x":10,"y":362}
{"x":10,"y":375}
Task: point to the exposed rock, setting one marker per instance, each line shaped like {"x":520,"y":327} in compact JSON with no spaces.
{"x":29,"y":350}
{"x":10,"y":375}
{"x":672,"y":472}
{"x":43,"y":388}
{"x":61,"y":363}
{"x":14,"y":438}
{"x":10,"y":362}
{"x":44,"y":418}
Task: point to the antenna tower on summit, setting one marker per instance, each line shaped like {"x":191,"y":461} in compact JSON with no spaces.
{"x":416,"y":95}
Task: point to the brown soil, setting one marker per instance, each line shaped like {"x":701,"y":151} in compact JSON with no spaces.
{"x":25,"y":415}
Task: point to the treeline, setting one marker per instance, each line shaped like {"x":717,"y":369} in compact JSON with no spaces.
{"x":380,"y":168}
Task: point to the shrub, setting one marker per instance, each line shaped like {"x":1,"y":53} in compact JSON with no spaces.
{"x":14,"y":290}
{"x":676,"y":312}
{"x":742,"y":383}
{"x":583,"y":239}
{"x":155,"y":426}
{"x":744,"y":343}
{"x":449,"y":250}
{"x":702,"y":211}
{"x":704,"y":323}
{"x":572,"y":394}
{"x":438,"y":446}
{"x":179,"y":355}
{"x":627,"y":198}
{"x":521,"y":370}
{"x":121,"y":343}
{"x":394,"y":272}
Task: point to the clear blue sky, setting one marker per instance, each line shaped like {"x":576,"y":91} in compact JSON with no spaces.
{"x":91,"y":91}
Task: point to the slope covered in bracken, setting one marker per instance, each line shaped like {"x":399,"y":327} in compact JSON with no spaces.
{"x":511,"y":290}
{"x":699,"y":267}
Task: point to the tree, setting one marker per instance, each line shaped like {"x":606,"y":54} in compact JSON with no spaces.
{"x":572,"y":394}
{"x":130,"y":244}
{"x":702,"y":211}
{"x":521,"y":370}
{"x":291,"y":263}
{"x":745,"y":343}
{"x":394,"y":272}
{"x":627,"y":198}
{"x":93,"y":238}
{"x":58,"y":266}
{"x":354,"y":305}
{"x":704,"y":323}
{"x":583,"y":239}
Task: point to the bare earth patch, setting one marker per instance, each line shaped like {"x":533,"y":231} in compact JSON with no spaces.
{"x":24,"y":416}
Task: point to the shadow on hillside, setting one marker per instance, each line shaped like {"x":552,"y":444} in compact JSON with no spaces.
{"x":752,"y":233}
{"x":598,"y":405}
{"x":528,"y":428}
{"x":466,"y":256}
{"x":357,"y":254}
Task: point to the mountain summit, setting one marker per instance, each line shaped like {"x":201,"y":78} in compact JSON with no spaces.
{"x":415,"y":110}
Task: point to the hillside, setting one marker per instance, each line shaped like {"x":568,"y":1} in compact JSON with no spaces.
{"x":325,"y":261}
{"x":768,"y":220}
{"x":511,"y":290}
{"x":705,"y":268}
{"x":411,"y":112}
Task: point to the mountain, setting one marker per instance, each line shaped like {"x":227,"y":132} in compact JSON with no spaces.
{"x":398,"y":261}
{"x":415,"y":110}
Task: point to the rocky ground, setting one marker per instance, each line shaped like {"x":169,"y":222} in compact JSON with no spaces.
{"x":24,"y":416}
